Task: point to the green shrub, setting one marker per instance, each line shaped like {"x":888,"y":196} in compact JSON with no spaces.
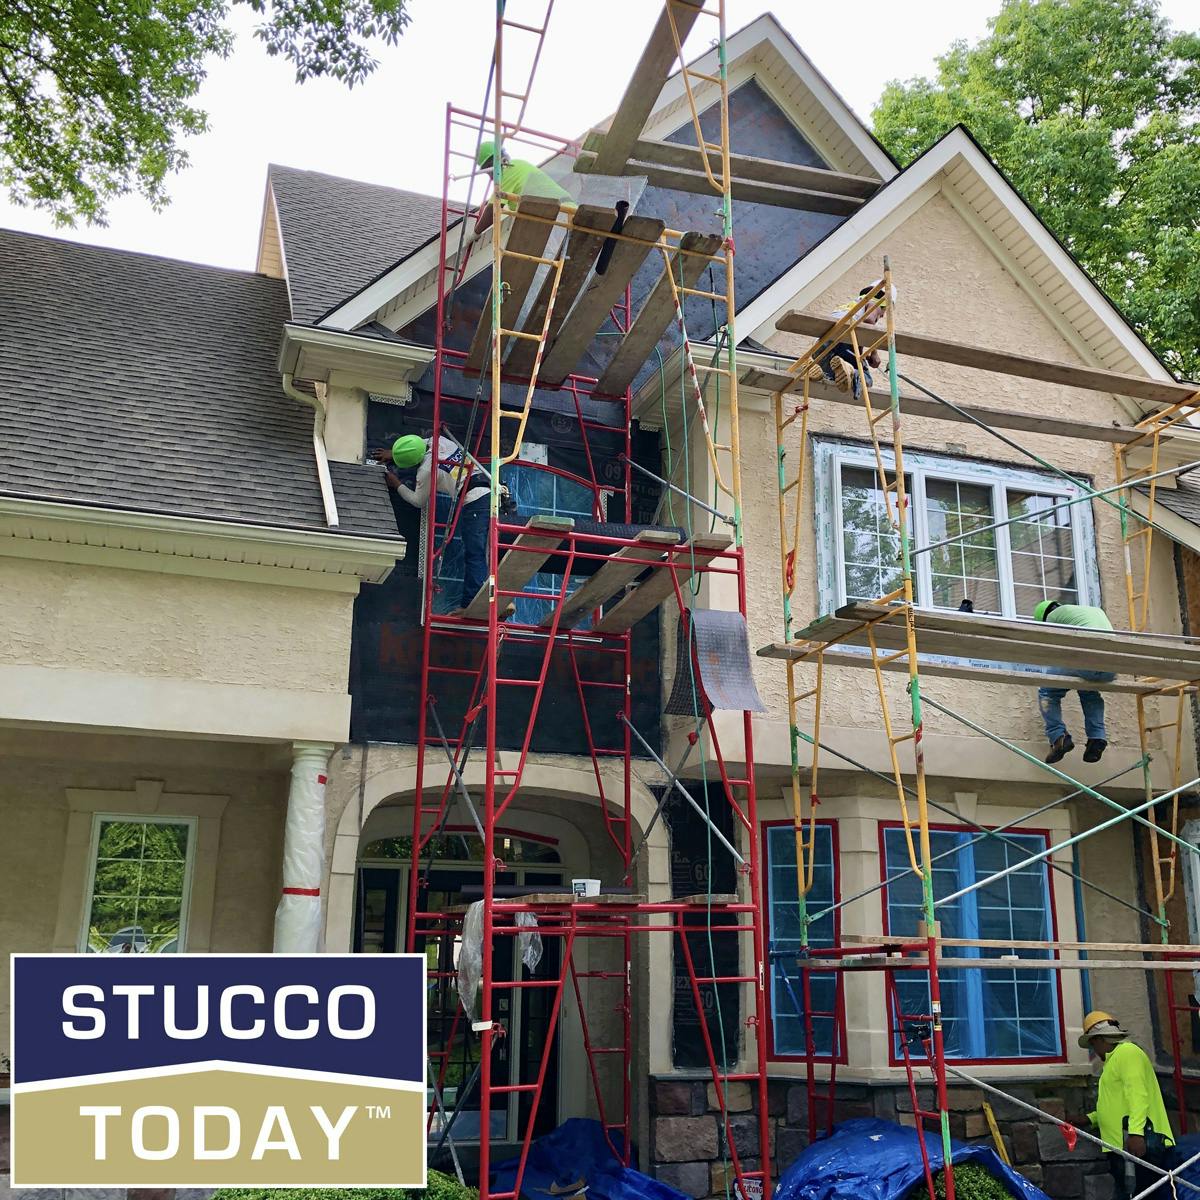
{"x":441,"y":1187}
{"x":971,"y":1182}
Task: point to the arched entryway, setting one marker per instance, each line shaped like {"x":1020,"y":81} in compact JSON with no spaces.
{"x":555,"y":833}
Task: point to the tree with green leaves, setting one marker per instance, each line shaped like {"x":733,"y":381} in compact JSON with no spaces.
{"x":97,"y":95}
{"x":1092,"y":109}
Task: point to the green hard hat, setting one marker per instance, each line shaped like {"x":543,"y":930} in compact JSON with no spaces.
{"x":1039,"y":612}
{"x":485,"y":153}
{"x":407,"y":451}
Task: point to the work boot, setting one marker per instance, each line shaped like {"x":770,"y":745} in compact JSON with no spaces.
{"x":1094,"y":750}
{"x":843,"y":374}
{"x":1061,"y":747}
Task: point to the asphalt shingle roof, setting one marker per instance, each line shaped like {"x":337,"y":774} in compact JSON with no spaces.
{"x":1183,"y":499}
{"x":339,"y":234}
{"x":146,"y":383}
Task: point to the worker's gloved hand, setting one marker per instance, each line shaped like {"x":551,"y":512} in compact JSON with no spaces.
{"x":1135,"y":1143}
{"x":384,"y":454}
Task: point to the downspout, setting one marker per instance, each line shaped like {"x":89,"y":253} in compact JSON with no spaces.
{"x":317,"y":404}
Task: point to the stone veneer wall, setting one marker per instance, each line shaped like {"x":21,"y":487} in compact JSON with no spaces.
{"x":686,"y":1150}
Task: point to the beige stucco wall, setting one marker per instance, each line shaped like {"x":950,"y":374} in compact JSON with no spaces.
{"x":80,"y":617}
{"x":557,"y":798}
{"x":858,"y":804}
{"x":34,"y":816}
{"x":950,"y":285}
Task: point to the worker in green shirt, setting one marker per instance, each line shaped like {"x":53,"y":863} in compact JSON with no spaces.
{"x":1092,"y":702}
{"x":1130,"y":1113}
{"x":517,"y":178}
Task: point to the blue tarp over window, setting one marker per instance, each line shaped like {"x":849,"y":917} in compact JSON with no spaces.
{"x":877,"y":1160}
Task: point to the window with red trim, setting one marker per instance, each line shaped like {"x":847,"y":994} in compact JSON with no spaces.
{"x":1003,"y":1013}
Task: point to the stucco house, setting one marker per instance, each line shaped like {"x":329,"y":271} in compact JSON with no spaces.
{"x":211,"y":604}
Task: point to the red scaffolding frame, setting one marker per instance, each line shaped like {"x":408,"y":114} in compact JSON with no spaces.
{"x":445,"y":739}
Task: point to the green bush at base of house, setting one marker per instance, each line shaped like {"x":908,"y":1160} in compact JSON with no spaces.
{"x":441,"y":1187}
{"x":971,"y":1182}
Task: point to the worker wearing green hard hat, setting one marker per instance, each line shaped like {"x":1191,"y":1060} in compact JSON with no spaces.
{"x":517,"y":178}
{"x":1050,"y":699}
{"x":456,"y":475}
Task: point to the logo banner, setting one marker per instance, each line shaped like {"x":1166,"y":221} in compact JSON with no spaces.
{"x":218,"y":1070}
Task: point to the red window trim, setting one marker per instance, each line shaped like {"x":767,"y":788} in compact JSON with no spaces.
{"x":840,"y":1003}
{"x":896,"y":1060}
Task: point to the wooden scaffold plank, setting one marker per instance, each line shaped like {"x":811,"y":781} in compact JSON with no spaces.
{"x":995,"y":640}
{"x":745,"y":167}
{"x":680,"y":179}
{"x":523,"y":559}
{"x":582,"y":323}
{"x":529,"y":238}
{"x":642,"y":91}
{"x":919,"y":406}
{"x":687,"y":264}
{"x":579,"y":255}
{"x":613,"y":576}
{"x":973,"y":674}
{"x":649,"y":594}
{"x":1003,"y":362}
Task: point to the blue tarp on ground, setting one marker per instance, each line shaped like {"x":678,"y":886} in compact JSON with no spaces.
{"x":1185,"y":1148}
{"x":868,"y":1159}
{"x":578,"y":1149}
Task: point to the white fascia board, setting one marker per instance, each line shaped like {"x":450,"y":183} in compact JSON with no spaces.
{"x":365,"y":304}
{"x":370,"y":559}
{"x":1180,"y":529}
{"x":828,"y":260}
{"x":894,"y":203}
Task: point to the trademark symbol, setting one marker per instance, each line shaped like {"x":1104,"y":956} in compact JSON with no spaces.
{"x":379,"y":1112}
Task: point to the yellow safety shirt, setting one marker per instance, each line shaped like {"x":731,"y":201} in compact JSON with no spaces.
{"x":520,"y":178}
{"x":1129,"y":1089}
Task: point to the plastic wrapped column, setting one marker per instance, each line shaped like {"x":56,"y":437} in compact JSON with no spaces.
{"x":298,"y":917}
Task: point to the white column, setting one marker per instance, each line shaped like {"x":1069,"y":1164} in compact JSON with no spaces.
{"x":298,"y":917}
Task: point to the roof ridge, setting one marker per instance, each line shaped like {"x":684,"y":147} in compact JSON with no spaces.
{"x":127,"y":253}
{"x":387,"y":187}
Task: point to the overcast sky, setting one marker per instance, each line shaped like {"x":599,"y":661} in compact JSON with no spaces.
{"x":390,"y":130}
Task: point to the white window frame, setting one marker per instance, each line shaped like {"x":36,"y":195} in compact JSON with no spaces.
{"x":829,"y":457}
{"x":93,"y":852}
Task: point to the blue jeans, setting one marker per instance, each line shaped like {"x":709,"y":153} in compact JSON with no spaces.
{"x":1092,"y":703}
{"x":845,"y":351}
{"x":473,"y":523}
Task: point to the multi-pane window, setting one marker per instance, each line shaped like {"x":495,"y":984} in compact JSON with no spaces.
{"x":138,"y":891}
{"x":1043,"y":550}
{"x":536,"y":492}
{"x":870,"y":543}
{"x":788,"y":1034}
{"x":987,"y":1013}
{"x":1003,"y":538}
{"x":968,"y":565}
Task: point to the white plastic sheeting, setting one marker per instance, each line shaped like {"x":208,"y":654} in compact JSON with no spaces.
{"x":298,"y":917}
{"x":470,"y":953}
